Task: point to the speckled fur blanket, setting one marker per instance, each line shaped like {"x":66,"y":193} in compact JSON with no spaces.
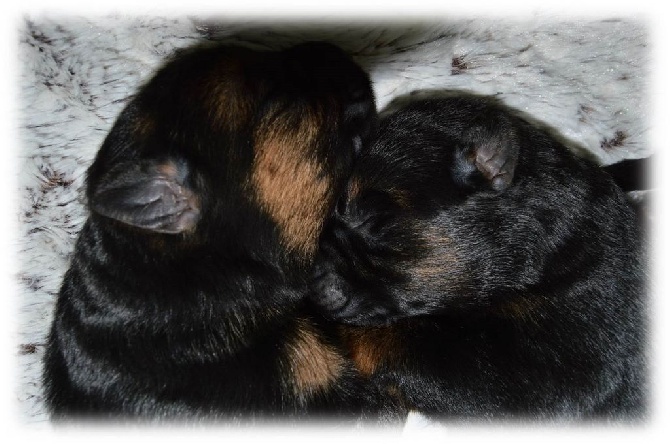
{"x":586,"y":79}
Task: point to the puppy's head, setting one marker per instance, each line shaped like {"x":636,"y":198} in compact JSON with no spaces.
{"x":233,"y":149}
{"x":403,"y":236}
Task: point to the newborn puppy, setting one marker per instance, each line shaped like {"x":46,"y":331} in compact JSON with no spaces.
{"x":185,"y":295}
{"x":512,"y":269}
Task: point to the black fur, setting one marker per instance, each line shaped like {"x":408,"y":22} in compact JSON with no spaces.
{"x":185,"y":295}
{"x":507,"y":274}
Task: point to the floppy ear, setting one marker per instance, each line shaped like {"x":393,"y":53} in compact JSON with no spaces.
{"x":489,"y":152}
{"x":148,"y":194}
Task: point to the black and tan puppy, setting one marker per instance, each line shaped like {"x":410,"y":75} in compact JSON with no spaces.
{"x":513,"y":270}
{"x":185,"y":295}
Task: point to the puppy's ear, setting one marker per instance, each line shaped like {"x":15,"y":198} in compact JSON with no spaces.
{"x":488,"y":153}
{"x":148,"y":194}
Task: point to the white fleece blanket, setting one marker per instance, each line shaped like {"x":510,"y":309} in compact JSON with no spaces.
{"x":586,"y":79}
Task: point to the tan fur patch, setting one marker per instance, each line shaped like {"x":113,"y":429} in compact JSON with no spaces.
{"x":353,"y":188}
{"x":225,"y":93}
{"x":441,"y":257}
{"x":313,"y":364}
{"x":401,"y":197}
{"x":290,"y":182}
{"x":168,"y":169}
{"x":521,"y":308}
{"x":226,"y":97}
{"x":372,"y":347}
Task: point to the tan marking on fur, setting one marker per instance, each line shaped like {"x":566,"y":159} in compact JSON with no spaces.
{"x":168,"y":169}
{"x":437,"y":269}
{"x":394,"y":393}
{"x":225,"y":93}
{"x":521,"y":308}
{"x":353,"y":188}
{"x":401,"y":197}
{"x":429,"y":269}
{"x":373,"y":347}
{"x":313,"y":364}
{"x":440,"y":257}
{"x":290,"y":183}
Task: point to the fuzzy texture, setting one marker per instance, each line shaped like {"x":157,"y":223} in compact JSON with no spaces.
{"x":186,"y":296}
{"x":508,"y":273}
{"x":586,"y":79}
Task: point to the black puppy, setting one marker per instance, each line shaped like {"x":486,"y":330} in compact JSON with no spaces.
{"x":513,"y":269}
{"x":185,"y":295}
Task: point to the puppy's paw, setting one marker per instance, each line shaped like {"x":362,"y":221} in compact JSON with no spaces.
{"x":341,"y":302}
{"x":328,"y":291}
